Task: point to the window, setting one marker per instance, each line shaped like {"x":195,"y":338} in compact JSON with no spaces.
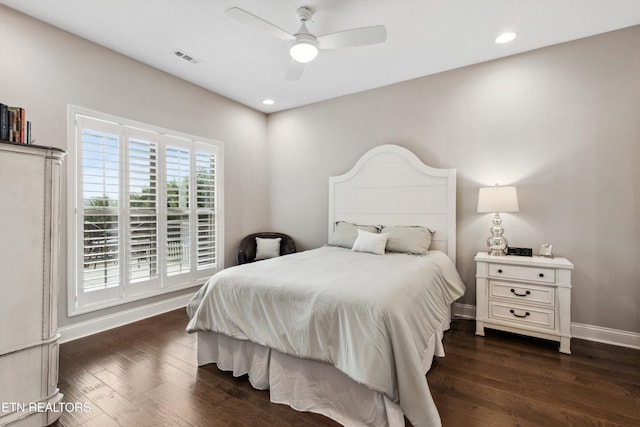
{"x":145,"y":210}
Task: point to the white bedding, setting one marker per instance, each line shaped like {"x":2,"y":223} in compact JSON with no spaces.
{"x":370,"y":316}
{"x":307,"y":385}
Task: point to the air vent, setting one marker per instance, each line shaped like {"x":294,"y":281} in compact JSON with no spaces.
{"x":187,"y":57}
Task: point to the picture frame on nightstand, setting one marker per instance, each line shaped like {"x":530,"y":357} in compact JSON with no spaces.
{"x":546,"y":250}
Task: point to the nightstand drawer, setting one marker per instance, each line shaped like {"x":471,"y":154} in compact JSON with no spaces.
{"x":532,"y":316}
{"x":522,"y":293}
{"x":518,"y":272}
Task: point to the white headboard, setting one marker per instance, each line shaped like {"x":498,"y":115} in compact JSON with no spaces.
{"x":389,"y":185}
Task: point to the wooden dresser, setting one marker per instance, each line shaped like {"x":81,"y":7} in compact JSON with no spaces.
{"x":525,"y":295}
{"x":29,"y":256}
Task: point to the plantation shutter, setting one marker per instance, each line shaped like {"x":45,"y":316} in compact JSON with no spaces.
{"x":99,"y":208}
{"x":206,"y":208}
{"x":177,"y":177}
{"x":143,"y":191}
{"x":145,"y":208}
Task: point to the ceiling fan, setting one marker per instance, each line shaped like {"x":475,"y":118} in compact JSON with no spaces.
{"x":304,"y":45}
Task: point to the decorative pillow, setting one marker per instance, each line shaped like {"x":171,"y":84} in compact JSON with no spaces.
{"x":370,"y":242}
{"x":345,"y":234}
{"x":267,"y":248}
{"x":411,"y":240}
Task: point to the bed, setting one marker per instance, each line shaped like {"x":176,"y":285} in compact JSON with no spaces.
{"x":339,"y":330}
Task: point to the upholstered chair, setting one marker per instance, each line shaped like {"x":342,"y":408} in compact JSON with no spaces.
{"x":248,"y":247}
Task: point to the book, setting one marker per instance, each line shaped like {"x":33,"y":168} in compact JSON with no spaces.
{"x":14,"y":115}
{"x":14,"y":126}
{"x":4,"y":121}
{"x":23,"y":125}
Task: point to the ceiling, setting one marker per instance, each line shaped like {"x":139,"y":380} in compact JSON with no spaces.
{"x":242,"y":63}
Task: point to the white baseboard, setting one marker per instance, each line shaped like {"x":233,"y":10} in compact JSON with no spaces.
{"x":578,"y":330}
{"x":606,"y":335}
{"x":93,"y":326}
{"x":464,"y":311}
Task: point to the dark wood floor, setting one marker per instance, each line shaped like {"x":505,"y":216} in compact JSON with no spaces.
{"x":145,"y":374}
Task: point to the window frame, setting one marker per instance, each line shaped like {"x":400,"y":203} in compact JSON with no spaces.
{"x":127,"y":291}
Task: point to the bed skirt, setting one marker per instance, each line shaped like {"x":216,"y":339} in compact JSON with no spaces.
{"x":309,"y":385}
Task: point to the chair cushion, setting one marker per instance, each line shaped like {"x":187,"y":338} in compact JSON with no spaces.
{"x":267,"y":248}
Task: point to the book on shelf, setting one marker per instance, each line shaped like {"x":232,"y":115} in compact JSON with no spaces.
{"x":14,"y":126}
{"x":4,"y":121}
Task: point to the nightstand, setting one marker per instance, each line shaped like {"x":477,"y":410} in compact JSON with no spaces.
{"x":524,"y":295}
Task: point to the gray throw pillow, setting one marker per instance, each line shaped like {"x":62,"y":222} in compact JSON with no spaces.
{"x":345,"y":234}
{"x":411,"y":240}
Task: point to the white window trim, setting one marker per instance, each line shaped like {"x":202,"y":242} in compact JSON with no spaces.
{"x":73,"y":238}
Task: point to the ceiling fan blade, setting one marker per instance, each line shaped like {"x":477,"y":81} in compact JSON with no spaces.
{"x":294,"y":71}
{"x":245,"y":17}
{"x":355,"y":37}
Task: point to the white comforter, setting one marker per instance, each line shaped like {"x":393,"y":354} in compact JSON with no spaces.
{"x":371,"y":316}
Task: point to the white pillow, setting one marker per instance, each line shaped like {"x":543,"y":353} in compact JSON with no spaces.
{"x":370,"y":242}
{"x":267,"y":248}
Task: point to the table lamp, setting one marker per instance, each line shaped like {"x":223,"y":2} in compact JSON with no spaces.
{"x":497,"y":199}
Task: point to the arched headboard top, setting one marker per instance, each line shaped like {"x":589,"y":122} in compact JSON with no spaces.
{"x":389,"y":185}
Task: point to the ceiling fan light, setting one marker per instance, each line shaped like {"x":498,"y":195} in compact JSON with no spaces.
{"x":303,"y":51}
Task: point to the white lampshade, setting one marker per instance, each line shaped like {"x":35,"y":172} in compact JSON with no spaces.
{"x":303,"y":51}
{"x":497,"y":199}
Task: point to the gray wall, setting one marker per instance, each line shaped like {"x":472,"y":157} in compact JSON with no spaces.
{"x":43,"y":69}
{"x":561,"y":123}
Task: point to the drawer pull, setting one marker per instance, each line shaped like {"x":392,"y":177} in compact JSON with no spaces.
{"x":522,"y":316}
{"x":541,"y":275}
{"x":513,"y":291}
{"x":500,"y":270}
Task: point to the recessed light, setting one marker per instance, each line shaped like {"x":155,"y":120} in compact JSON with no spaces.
{"x":506,"y":37}
{"x":268,"y":101}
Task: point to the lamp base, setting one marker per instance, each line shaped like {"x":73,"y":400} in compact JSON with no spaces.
{"x":497,"y":252}
{"x":496,"y":243}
